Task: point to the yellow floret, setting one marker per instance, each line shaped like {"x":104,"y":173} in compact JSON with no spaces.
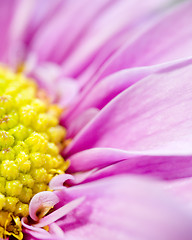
{"x":20,"y":132}
{"x":56,"y":134}
{"x":2,"y":201}
{"x":13,"y":188}
{"x":7,"y":153}
{"x":27,"y":180}
{"x":6,"y":140}
{"x":52,"y":149}
{"x":6,"y":102}
{"x":21,"y":146}
{"x":37,"y":159}
{"x":26,"y":195}
{"x":44,"y":121}
{"x":21,"y":209}
{"x":2,"y":184}
{"x":10,"y":204}
{"x":30,"y":145}
{"x":9,"y":170}
{"x":27,"y":115}
{"x":24,"y":165}
{"x":37,"y":142}
{"x":39,"y":187}
{"x":40,"y":175}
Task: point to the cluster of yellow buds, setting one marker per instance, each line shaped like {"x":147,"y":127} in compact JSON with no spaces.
{"x":30,"y":143}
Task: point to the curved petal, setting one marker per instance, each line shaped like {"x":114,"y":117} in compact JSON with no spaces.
{"x":42,"y":201}
{"x":60,"y":23}
{"x":154,"y":114}
{"x":91,"y":34}
{"x":107,"y":162}
{"x":57,"y":214}
{"x":104,"y":91}
{"x":20,"y":23}
{"x":57,"y":182}
{"x":126,"y":208}
{"x":102,"y":39}
{"x":55,"y":230}
{"x":37,"y":233}
{"x":162,"y":42}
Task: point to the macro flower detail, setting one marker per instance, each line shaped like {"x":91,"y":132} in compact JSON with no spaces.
{"x":95,"y":120}
{"x":31,"y":141}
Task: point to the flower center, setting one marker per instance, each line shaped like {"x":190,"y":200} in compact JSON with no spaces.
{"x":30,"y":142}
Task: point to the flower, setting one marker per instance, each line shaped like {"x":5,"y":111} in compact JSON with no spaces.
{"x":125,"y":91}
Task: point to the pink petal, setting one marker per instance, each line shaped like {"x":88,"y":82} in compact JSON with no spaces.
{"x":43,"y":11}
{"x":91,"y":34}
{"x":80,"y":122}
{"x":57,"y":182}
{"x":48,"y":199}
{"x":35,"y":233}
{"x":155,"y":45}
{"x":59,"y":23}
{"x":22,"y":14}
{"x":102,"y":39}
{"x":57,"y":214}
{"x":7,"y":12}
{"x":101,"y":157}
{"x":125,"y":208}
{"x":81,"y":177}
{"x":182,"y":189}
{"x":38,"y":233}
{"x":106,"y":162}
{"x":60,"y":89}
{"x":56,"y":231}
{"x":40,"y":201}
{"x":98,"y":95}
{"x":154,"y":114}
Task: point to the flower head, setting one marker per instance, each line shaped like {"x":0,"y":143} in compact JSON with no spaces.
{"x":89,"y":101}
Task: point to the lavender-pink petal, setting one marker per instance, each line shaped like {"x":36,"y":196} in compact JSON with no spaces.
{"x":110,"y":161}
{"x":125,"y":208}
{"x":154,"y":114}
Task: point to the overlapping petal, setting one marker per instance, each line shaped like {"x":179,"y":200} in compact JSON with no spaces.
{"x":161,"y":42}
{"x":91,"y":33}
{"x":135,"y":121}
{"x":154,"y":114}
{"x":105,"y":162}
{"x":125,"y":208}
{"x":109,"y":87}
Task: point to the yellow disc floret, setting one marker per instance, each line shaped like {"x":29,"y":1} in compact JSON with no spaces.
{"x":30,"y":145}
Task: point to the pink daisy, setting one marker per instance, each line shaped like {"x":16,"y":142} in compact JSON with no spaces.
{"x":120,"y":71}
